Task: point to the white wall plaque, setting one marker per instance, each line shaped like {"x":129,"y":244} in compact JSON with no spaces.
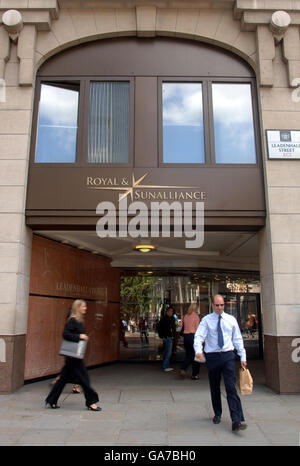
{"x":283,"y":144}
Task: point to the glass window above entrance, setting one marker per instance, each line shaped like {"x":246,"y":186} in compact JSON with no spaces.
{"x":108,"y":129}
{"x":233,"y":123}
{"x":183,"y":131}
{"x":207,"y":123}
{"x":57,"y":123}
{"x":157,"y":104}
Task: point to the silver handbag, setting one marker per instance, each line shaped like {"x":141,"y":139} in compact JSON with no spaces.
{"x":73,"y":349}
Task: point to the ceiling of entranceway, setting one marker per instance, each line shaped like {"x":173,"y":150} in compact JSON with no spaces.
{"x":223,"y":250}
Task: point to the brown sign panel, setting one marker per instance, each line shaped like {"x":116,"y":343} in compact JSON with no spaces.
{"x":233,"y":191}
{"x":61,"y":270}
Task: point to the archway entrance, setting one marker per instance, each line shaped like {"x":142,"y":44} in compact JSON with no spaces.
{"x":61,"y":273}
{"x":131,"y":94}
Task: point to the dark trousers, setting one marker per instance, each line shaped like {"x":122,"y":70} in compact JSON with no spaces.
{"x":144,"y":333}
{"x":74,"y":368}
{"x":218,"y":364}
{"x":188,"y":339}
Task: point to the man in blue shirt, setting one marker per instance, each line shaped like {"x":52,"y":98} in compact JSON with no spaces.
{"x":221,"y":334}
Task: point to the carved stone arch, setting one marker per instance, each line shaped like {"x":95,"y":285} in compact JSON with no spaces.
{"x":216,"y":27}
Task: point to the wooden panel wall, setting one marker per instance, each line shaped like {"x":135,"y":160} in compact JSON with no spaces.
{"x":60,"y":274}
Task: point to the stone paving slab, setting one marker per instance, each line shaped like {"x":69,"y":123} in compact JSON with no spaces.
{"x":143,"y":406}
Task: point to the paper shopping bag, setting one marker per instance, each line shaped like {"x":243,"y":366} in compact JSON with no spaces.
{"x":246,"y":381}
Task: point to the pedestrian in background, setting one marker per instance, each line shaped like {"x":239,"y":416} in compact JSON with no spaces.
{"x":123,"y":327}
{"x":166,"y":332}
{"x":189,"y":326}
{"x":143,"y":328}
{"x":74,"y":368}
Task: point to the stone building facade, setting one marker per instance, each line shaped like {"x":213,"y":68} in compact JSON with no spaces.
{"x":261,"y":34}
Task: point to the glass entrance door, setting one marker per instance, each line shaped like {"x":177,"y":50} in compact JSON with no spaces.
{"x":146,"y":298}
{"x":245,"y":307}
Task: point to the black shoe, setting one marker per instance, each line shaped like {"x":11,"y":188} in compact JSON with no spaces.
{"x":94,"y":409}
{"x":236,"y":426}
{"x":52,"y":405}
{"x":217,"y":419}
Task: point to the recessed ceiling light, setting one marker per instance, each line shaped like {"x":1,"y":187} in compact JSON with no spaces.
{"x":144,"y":247}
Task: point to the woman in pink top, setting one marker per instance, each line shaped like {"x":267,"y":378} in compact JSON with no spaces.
{"x":190,"y":324}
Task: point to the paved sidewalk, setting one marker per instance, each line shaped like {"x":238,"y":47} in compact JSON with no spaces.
{"x":141,"y":405}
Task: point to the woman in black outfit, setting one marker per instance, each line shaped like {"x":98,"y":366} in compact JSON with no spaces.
{"x":74,"y":331}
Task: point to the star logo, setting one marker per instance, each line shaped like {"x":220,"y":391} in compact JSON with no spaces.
{"x":134,"y":185}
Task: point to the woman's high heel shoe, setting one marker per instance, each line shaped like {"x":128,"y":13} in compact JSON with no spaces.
{"x":51,"y":405}
{"x":94,"y":409}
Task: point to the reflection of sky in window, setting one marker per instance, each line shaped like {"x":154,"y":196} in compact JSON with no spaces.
{"x":183,"y":135}
{"x":57,"y":127}
{"x":233,"y":123}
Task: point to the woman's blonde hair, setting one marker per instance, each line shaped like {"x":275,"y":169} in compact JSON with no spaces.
{"x":75,"y":310}
{"x":192,"y":307}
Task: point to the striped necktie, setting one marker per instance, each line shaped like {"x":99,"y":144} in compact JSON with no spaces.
{"x":220,"y":333}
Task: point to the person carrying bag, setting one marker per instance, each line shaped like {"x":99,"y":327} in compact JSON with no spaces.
{"x":74,"y":367}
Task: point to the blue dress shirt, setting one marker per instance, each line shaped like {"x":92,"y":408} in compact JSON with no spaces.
{"x":207,"y":333}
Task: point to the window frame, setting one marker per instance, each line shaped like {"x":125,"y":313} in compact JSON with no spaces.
{"x":182,"y":80}
{"x":82,"y":121}
{"x":83,"y":115}
{"x":35,"y":121}
{"x":251,"y":82}
{"x":208,"y":120}
{"x":87,"y":81}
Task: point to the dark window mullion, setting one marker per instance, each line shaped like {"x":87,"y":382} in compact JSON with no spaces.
{"x":208,"y":123}
{"x":81,"y":134}
{"x":255,"y":114}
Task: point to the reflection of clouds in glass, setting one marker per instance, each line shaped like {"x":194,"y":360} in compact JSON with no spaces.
{"x":183,"y":136}
{"x":56,"y":145}
{"x":58,"y":106}
{"x":233,"y":120}
{"x":57,"y":130}
{"x":232,"y":103}
{"x":182,"y":104}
